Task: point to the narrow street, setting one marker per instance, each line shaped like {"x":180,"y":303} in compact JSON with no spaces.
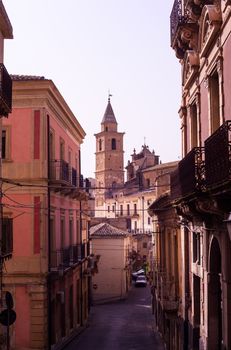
{"x":121,"y":325}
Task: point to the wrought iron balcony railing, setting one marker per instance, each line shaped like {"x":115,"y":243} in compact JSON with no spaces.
{"x":218,"y":156}
{"x":59,"y":170}
{"x":176,"y":19}
{"x":175,"y":185}
{"x":63,"y":258}
{"x":5,"y":91}
{"x":192,"y":172}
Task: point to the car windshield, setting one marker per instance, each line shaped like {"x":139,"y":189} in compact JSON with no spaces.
{"x":141,"y":278}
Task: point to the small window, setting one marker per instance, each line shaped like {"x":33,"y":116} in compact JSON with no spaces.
{"x":100,"y":145}
{"x":113,"y":144}
{"x":148,"y":183}
{"x":128,"y":209}
{"x":145,"y":245}
{"x":62,"y":149}
{"x":113,"y":208}
{"x":194,"y":126}
{"x":149,"y":220}
{"x":108,"y":209}
{"x":5,"y":143}
{"x":121,"y":210}
{"x":135,"y":209}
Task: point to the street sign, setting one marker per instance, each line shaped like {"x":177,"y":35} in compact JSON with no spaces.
{"x":7,"y":317}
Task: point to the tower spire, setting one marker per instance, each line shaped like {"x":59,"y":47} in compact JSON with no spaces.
{"x":109,"y":96}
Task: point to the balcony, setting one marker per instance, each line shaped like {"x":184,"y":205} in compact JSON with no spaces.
{"x":184,"y":27}
{"x":59,"y":171}
{"x":64,"y":258}
{"x":192,"y":172}
{"x":218,"y":157}
{"x":5,"y":91}
{"x":175,"y":185}
{"x":167,"y":292}
{"x":176,"y":19}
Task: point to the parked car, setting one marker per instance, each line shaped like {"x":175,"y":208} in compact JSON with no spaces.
{"x":140,"y":272}
{"x":141,"y":281}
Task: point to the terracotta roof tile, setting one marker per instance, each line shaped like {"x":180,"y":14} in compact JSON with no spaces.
{"x":17,"y":77}
{"x":105,"y":229}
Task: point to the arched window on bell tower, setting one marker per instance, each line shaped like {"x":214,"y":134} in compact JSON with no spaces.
{"x":100,"y":145}
{"x":113,"y":144}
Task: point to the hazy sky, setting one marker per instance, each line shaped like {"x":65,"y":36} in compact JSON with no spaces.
{"x":90,"y":46}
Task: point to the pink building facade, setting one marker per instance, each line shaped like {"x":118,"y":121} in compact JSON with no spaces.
{"x":200,"y":234}
{"x":45,"y":202}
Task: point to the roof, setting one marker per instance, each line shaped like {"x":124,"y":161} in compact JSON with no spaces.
{"x":109,"y":116}
{"x":162,"y":166}
{"x":105,"y":230}
{"x":17,"y":77}
{"x":5,"y":25}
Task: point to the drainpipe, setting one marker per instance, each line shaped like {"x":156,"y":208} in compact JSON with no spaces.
{"x":49,"y":322}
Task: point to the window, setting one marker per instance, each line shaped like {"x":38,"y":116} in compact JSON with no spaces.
{"x":108,"y":209}
{"x":135,"y":209}
{"x":214,"y":102}
{"x":149,"y":220}
{"x":145,"y":245}
{"x":7,"y":236}
{"x":62,"y":149}
{"x":100,"y":145}
{"x":148,"y":182}
{"x":121,"y":210}
{"x":62,"y":233}
{"x":113,"y":208}
{"x":5,"y":143}
{"x":51,"y":144}
{"x":128,"y":209}
{"x":113,"y":144}
{"x":194,"y":125}
{"x":78,"y":237}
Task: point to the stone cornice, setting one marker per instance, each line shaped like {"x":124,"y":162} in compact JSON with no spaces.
{"x":44,"y":94}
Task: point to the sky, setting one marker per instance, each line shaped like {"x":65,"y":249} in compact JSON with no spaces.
{"x":90,"y":47}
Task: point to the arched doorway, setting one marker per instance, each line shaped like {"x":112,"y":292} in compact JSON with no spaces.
{"x":214,"y":298}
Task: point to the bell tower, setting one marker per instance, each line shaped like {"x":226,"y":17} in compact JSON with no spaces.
{"x":109,"y":171}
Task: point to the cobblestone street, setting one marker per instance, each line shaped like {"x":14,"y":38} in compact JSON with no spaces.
{"x":121,"y":325}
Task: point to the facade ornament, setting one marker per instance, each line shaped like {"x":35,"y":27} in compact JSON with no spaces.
{"x":210,"y":23}
{"x":208,"y":206}
{"x":206,"y":82}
